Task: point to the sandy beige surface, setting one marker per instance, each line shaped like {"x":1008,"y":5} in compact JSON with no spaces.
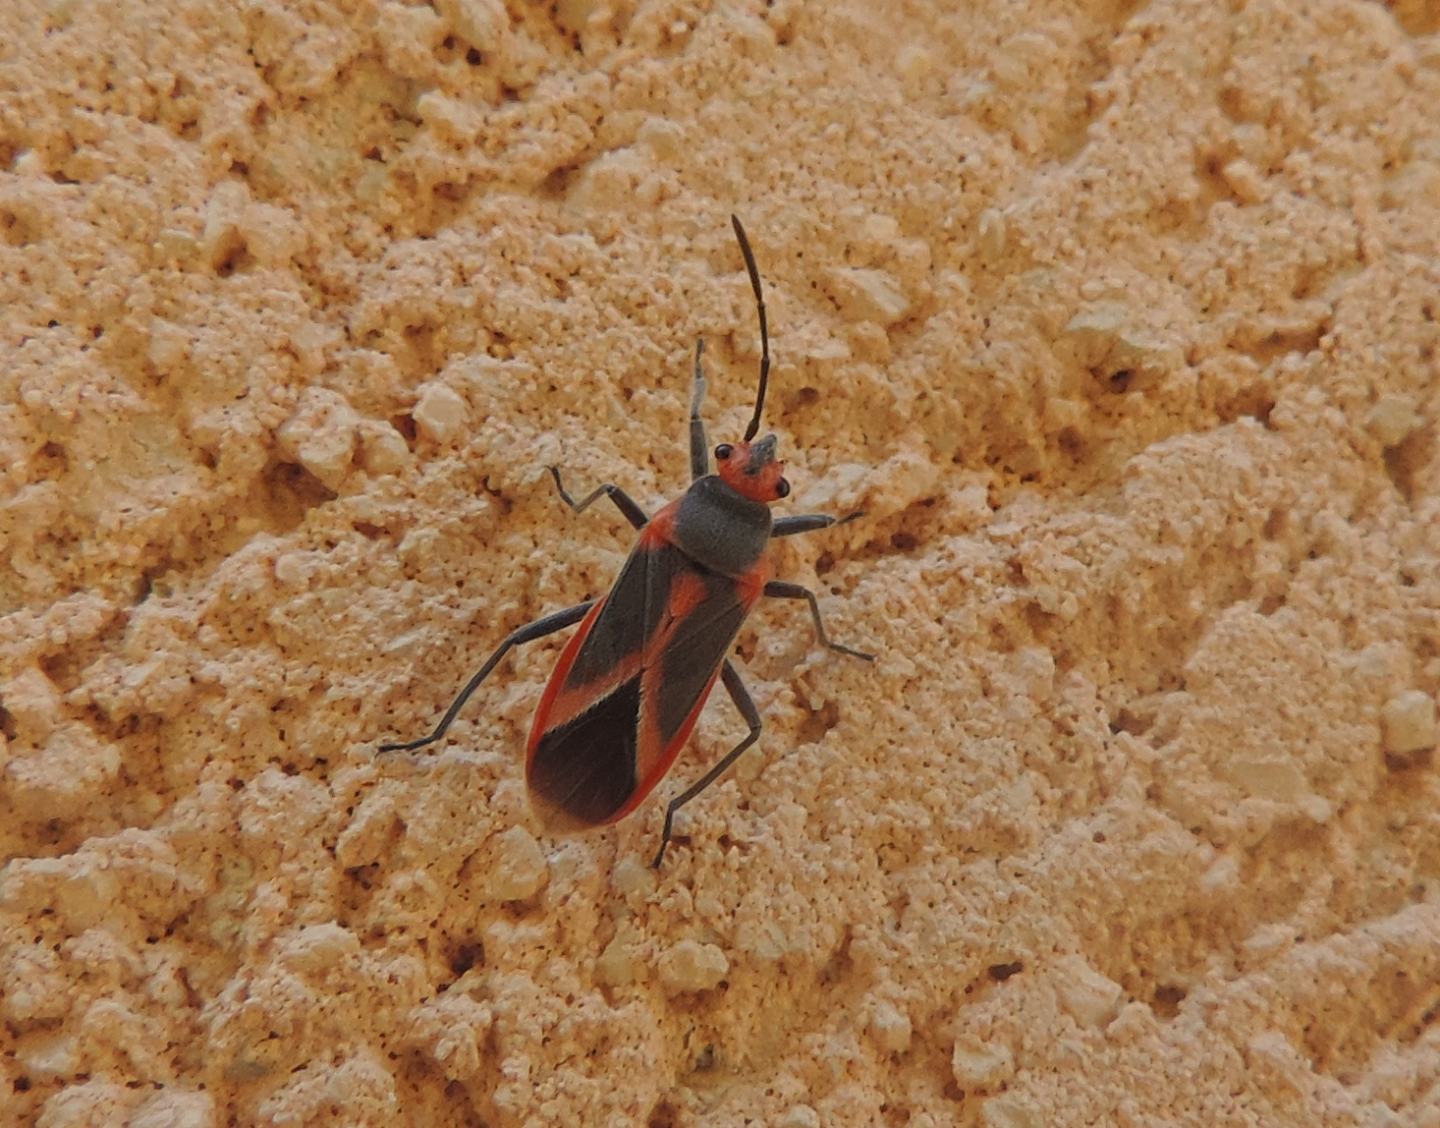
{"x":1120,"y":322}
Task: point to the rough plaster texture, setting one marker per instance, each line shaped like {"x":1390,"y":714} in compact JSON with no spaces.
{"x":1118,"y":319}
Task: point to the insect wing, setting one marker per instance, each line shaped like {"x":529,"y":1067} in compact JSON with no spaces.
{"x":581,"y":758}
{"x":630,"y":685}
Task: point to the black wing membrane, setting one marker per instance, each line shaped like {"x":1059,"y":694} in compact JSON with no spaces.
{"x":586,"y":767}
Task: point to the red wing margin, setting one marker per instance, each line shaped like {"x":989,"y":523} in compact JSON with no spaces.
{"x":630,"y":684}
{"x":679,"y":672}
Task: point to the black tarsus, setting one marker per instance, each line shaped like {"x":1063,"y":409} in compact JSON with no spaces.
{"x":623,"y":502}
{"x":809,"y":523}
{"x":782,"y":589}
{"x":743,"y":702}
{"x":754,"y":426}
{"x":546,"y":625}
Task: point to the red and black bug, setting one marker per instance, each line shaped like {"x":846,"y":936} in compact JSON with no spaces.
{"x":631,"y":682}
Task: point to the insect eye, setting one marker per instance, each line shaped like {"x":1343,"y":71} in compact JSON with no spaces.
{"x":782,"y":488}
{"x":722,"y":452}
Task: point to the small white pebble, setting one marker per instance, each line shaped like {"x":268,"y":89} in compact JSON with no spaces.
{"x":1268,"y":941}
{"x":1270,"y":777}
{"x":867,"y":295}
{"x":222,"y":237}
{"x":764,"y":939}
{"x":50,"y":1057}
{"x":801,"y":1116}
{"x":321,"y":435}
{"x":450,"y":118}
{"x":482,"y":23}
{"x":1006,"y":1111}
{"x":1245,"y":180}
{"x":1136,"y":1020}
{"x":316,"y":949}
{"x":294,"y":568}
{"x":707,"y":904}
{"x":1408,"y":722}
{"x":981,"y":1065}
{"x":992,"y":234}
{"x":520,"y":871}
{"x":632,"y":876}
{"x":1392,"y":419}
{"x":383,"y":449}
{"x":617,"y":965}
{"x":1090,"y":998}
{"x":173,"y":1109}
{"x":662,"y":137}
{"x":440,"y":413}
{"x":1221,"y":876}
{"x":890,"y":1028}
{"x":1098,"y":323}
{"x":169,"y":343}
{"x":692,"y":966}
{"x":880,"y":228}
{"x":913,"y":64}
{"x":33,"y":700}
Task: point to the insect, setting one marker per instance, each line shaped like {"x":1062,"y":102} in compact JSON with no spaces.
{"x":629,"y":685}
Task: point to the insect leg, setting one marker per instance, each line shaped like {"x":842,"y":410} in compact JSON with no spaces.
{"x":623,"y":502}
{"x":699,"y":446}
{"x":809,"y":522}
{"x":549,"y":624}
{"x":741,"y":696}
{"x":779,"y":589}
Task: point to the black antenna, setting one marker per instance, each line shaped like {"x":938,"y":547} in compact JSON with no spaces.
{"x":764,"y":330}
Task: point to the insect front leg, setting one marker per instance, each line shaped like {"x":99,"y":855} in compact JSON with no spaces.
{"x":741,"y":696}
{"x":623,"y":501}
{"x":699,"y":446}
{"x":549,"y":624}
{"x":810,"y":522}
{"x":779,"y":589}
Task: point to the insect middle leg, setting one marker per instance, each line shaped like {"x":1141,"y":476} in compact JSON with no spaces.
{"x":779,"y":589}
{"x":809,"y":523}
{"x":549,"y":624}
{"x":741,"y":696}
{"x":623,"y":501}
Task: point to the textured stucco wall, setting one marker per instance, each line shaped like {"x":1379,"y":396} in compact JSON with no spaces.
{"x":1118,"y":319}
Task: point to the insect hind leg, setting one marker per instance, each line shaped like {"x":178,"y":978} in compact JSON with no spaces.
{"x":548,"y":625}
{"x":743,"y":702}
{"x":779,"y":589}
